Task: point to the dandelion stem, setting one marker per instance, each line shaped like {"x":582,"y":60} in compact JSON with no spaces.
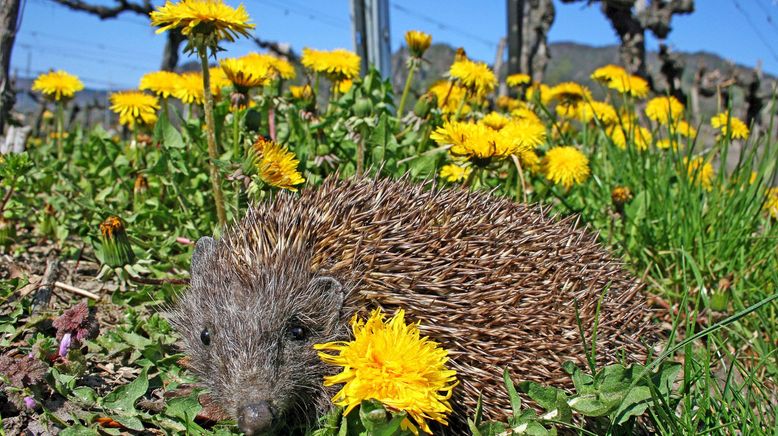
{"x":408,"y":81}
{"x":271,"y":121}
{"x":521,"y":186}
{"x":361,"y":154}
{"x":60,"y":128}
{"x":213,"y":153}
{"x":236,"y":148}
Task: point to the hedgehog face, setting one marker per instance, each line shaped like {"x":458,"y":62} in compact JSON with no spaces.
{"x":249,"y":332}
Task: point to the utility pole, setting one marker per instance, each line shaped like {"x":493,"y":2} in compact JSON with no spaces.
{"x":515,"y":32}
{"x":360,"y":31}
{"x":372,"y":40}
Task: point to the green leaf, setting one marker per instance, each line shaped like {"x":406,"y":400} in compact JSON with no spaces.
{"x":424,"y":165}
{"x":634,"y":404}
{"x":167,"y":134}
{"x":512,"y":394}
{"x":79,"y":430}
{"x":130,"y":422}
{"x":184,"y":408}
{"x":589,"y":405}
{"x":123,"y":398}
{"x":85,"y":396}
{"x":381,"y":140}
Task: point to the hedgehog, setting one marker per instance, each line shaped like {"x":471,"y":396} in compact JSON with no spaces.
{"x":497,"y":283}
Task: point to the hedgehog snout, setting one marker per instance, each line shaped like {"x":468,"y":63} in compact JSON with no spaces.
{"x":256,"y":418}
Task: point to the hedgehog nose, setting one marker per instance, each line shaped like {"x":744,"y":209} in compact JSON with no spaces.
{"x":255,"y":419}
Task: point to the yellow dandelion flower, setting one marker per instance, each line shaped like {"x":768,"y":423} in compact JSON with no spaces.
{"x":212,"y":19}
{"x":479,"y":143}
{"x":418,"y":42}
{"x":663,"y":110}
{"x":700,"y":172}
{"x":637,"y":135}
{"x":684,"y":129}
{"x":606,"y":74}
{"x":523,"y":134}
{"x":771,"y":203}
{"x":241,"y":74}
{"x":518,"y":79}
{"x":566,"y":166}
{"x":189,"y":88}
{"x":135,"y":107}
{"x":301,"y":92}
{"x":738,"y":127}
{"x":219,"y":80}
{"x":494,"y":120}
{"x":530,"y":160}
{"x":57,"y":85}
{"x":345,"y":85}
{"x":525,"y":114}
{"x":476,"y":77}
{"x":455,"y":173}
{"x":629,"y":84}
{"x":271,"y":66}
{"x":391,"y":363}
{"x":449,"y":95}
{"x":276,"y":165}
{"x":508,"y":104}
{"x":666,"y":143}
{"x":161,"y":83}
{"x":338,"y":64}
{"x":591,"y":110}
{"x":570,"y":93}
{"x":541,"y":91}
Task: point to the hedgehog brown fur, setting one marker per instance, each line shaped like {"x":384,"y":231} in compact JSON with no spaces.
{"x":495,"y":282}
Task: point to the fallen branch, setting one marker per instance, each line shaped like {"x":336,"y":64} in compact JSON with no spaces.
{"x":75,"y":290}
{"x":158,"y":282}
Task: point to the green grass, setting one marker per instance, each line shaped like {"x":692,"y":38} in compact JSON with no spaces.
{"x":709,"y":255}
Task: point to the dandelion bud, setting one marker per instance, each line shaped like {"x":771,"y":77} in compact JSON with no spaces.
{"x":377,"y":416}
{"x":363,"y":107}
{"x":424,"y":104}
{"x":418,"y":42}
{"x":116,"y":249}
{"x":238,"y":100}
{"x":460,"y":55}
{"x":620,"y":196}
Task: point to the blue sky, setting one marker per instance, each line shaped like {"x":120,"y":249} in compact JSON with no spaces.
{"x":115,"y":53}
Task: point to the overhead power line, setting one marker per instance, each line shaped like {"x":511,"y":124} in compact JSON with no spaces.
{"x":84,"y":43}
{"x":756,"y":31}
{"x":768,"y":15}
{"x":311,"y":14}
{"x":445,"y":26}
{"x":99,"y":60}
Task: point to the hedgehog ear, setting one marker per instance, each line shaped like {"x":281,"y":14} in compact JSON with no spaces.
{"x":332,"y":292}
{"x":203,"y":250}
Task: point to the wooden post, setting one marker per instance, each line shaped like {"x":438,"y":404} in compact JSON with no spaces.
{"x":9,"y":12}
{"x":515,"y":32}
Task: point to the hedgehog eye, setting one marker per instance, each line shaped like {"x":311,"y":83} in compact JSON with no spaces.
{"x":205,"y":337}
{"x":297,"y":333}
